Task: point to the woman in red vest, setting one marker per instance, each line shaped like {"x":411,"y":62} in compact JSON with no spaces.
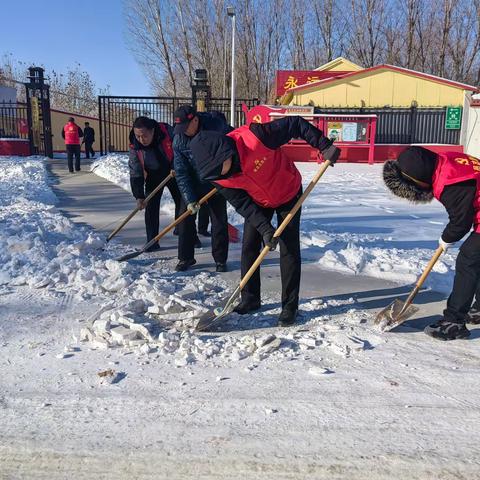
{"x":453,"y":178}
{"x":72,"y":133}
{"x":251,"y":172}
{"x":150,"y":161}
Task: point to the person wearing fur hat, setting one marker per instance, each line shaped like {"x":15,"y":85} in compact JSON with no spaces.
{"x":453,"y":178}
{"x":250,"y":170}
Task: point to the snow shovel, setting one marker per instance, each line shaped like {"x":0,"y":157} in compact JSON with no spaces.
{"x":137,"y":209}
{"x":178,"y":220}
{"x":397,"y":312}
{"x":207,"y":320}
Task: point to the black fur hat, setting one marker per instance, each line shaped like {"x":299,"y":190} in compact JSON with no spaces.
{"x":402,"y":187}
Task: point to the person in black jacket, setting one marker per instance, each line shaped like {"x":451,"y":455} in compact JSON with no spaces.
{"x":88,"y":140}
{"x":188,"y":122}
{"x":250,"y":171}
{"x":150,"y":161}
{"x":419,"y":175}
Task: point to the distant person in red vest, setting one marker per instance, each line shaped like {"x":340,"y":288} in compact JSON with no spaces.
{"x":251,"y":172}
{"x":72,"y":133}
{"x":150,"y":161}
{"x":453,"y":178}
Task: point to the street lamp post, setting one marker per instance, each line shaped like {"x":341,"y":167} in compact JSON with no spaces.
{"x":231,"y":14}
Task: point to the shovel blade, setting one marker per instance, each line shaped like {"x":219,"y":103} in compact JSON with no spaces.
{"x":129,"y":256}
{"x":394,"y":315}
{"x":210,"y":319}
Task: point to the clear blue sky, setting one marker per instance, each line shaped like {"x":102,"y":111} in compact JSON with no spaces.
{"x":59,"y":33}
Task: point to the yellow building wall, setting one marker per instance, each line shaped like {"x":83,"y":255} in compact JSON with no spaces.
{"x":380,"y":88}
{"x":340,"y":64}
{"x":59,"y":119}
{"x":119,"y":132}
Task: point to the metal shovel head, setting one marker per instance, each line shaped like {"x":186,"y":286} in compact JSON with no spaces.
{"x":394,"y":315}
{"x":128,"y":256}
{"x":209,"y":319}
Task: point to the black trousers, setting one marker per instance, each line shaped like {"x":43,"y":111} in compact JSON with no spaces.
{"x":152,"y":210}
{"x":466,"y":284}
{"x":89,"y":149}
{"x":290,"y":260}
{"x":217,"y":210}
{"x":203,"y":219}
{"x":71,"y":151}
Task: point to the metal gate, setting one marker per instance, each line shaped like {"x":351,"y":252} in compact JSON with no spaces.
{"x":116,"y":115}
{"x":13,"y":120}
{"x":406,"y":125}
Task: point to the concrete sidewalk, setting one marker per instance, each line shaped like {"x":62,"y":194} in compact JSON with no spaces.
{"x":89,"y":199}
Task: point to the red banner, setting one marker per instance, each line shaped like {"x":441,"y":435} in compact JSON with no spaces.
{"x":294,"y":78}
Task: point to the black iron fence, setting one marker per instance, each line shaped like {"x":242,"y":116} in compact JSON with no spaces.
{"x":406,"y":125}
{"x":116,"y":115}
{"x":13,"y":120}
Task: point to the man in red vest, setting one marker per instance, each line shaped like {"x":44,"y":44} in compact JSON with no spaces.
{"x":72,"y":133}
{"x":251,"y":172}
{"x":453,"y":178}
{"x":150,"y":162}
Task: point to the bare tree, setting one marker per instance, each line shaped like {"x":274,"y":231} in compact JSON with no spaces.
{"x":147,"y":25}
{"x":448,"y":8}
{"x":325,"y":24}
{"x":465,"y":40}
{"x":366,"y":31}
{"x":171,"y":38}
{"x":297,"y":36}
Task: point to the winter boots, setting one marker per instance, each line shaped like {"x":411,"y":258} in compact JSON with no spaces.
{"x":245,"y":307}
{"x":445,"y":330}
{"x":473,"y":316}
{"x":287,"y":317}
{"x":183,"y":265}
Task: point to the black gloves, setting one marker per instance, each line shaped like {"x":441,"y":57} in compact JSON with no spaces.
{"x":269,"y":240}
{"x":331,"y":153}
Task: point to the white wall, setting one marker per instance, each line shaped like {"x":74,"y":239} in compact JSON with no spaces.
{"x":8,"y":94}
{"x":472,"y":133}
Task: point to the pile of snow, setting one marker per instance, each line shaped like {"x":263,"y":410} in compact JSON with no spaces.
{"x":114,"y":168}
{"x":166,"y":329}
{"x":39,"y":247}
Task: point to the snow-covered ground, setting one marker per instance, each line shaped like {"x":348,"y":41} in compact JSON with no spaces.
{"x":102,"y":376}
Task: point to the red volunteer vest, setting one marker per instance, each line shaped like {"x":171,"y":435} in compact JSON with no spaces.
{"x":267,"y":175}
{"x":454,"y":167}
{"x":71,"y":134}
{"x":166,"y":144}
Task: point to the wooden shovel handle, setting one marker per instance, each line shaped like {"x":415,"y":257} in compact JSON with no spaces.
{"x":180,"y":219}
{"x":423,"y":277}
{"x":285,"y":222}
{"x":136,"y":209}
{"x":429,"y":267}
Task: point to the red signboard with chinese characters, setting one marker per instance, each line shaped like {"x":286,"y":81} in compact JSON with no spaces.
{"x":294,"y":78}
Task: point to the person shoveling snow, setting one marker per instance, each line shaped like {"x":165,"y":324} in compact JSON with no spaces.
{"x":252,"y":173}
{"x":419,"y":175}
